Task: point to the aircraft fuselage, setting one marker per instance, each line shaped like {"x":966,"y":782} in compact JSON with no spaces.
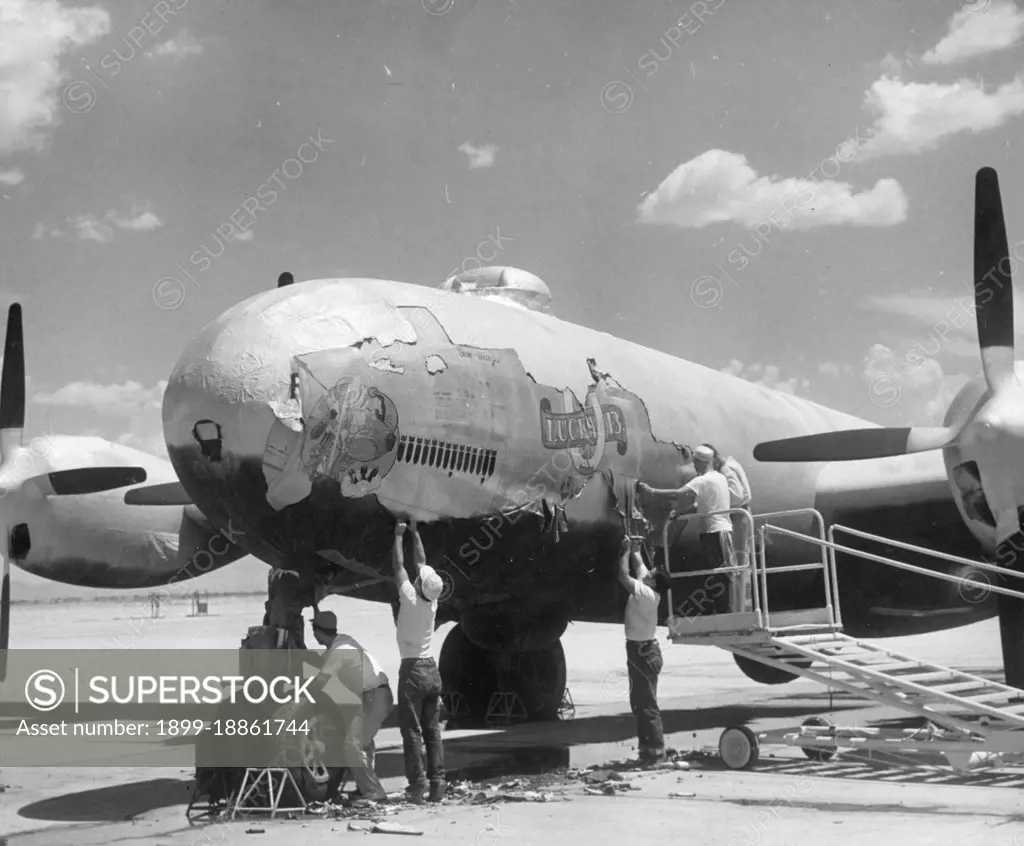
{"x":311,"y":417}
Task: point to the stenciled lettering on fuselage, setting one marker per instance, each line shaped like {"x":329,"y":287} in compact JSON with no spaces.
{"x":353,"y":436}
{"x":582,"y":431}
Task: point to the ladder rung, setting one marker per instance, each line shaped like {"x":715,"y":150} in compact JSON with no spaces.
{"x":922,"y":677}
{"x":988,"y":697}
{"x":952,"y":688}
{"x":902,"y":665}
{"x":828,"y":639}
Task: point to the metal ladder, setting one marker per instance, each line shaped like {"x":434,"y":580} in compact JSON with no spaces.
{"x":977,"y":713}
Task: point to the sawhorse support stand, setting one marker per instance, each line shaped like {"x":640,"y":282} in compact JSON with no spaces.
{"x":505,"y":707}
{"x":454,"y":705}
{"x":263,"y":790}
{"x":567,"y":710}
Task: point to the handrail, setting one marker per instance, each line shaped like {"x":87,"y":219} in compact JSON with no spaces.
{"x":859,"y":553}
{"x":758,"y":559}
{"x":955,"y":559}
{"x":673,"y":516}
{"x":760,"y":529}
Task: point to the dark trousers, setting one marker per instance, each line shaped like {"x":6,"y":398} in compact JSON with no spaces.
{"x":718,"y":552}
{"x":645,"y":663}
{"x":419,"y":712}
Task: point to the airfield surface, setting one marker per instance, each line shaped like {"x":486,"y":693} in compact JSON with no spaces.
{"x":786,"y":800}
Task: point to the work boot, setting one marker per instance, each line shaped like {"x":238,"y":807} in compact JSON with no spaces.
{"x":437,"y":792}
{"x":414,"y":793}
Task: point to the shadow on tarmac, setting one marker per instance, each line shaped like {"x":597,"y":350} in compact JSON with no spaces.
{"x":519,"y":750}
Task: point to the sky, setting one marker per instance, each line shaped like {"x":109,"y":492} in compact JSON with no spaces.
{"x":778,"y":189}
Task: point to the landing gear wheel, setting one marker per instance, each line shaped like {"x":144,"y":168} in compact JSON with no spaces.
{"x":765,"y":674}
{"x":468,"y":671}
{"x":818,"y":753}
{"x":739,"y":748}
{"x":537,"y":678}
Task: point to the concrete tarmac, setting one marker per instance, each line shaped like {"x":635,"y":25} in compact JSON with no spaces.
{"x":785,"y":800}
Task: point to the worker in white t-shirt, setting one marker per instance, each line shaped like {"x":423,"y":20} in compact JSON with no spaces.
{"x":419,"y":679}
{"x":643,"y":654}
{"x":378,"y":700}
{"x":705,"y":494}
{"x":739,"y":497}
{"x":347,"y":667}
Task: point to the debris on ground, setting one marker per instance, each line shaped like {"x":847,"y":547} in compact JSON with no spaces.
{"x":674,"y":760}
{"x":458,"y":793}
{"x":678,"y":794}
{"x":382,"y":828}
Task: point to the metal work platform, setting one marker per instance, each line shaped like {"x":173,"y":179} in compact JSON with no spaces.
{"x":969,"y":719}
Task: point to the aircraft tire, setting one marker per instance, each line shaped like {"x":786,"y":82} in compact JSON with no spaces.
{"x":762,"y":673}
{"x":537,"y":678}
{"x":293,"y":751}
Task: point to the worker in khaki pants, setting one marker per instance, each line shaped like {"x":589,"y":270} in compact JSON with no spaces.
{"x":739,"y":497}
{"x":378,"y":699}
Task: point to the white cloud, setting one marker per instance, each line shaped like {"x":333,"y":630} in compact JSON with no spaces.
{"x":141,"y":223}
{"x":479,"y":156}
{"x":973,"y":32}
{"x":940,"y":324}
{"x":91,"y":227}
{"x":834,"y":369}
{"x":915,"y":116}
{"x":766,"y":375}
{"x":129,"y":408}
{"x":719,"y":186}
{"x":34,"y":34}
{"x":185,"y":44}
{"x":915,"y":391}
{"x":43,"y":230}
{"x":125,"y":399}
{"x":11,"y":177}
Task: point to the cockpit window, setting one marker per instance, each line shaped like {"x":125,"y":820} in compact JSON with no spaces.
{"x":968,"y":481}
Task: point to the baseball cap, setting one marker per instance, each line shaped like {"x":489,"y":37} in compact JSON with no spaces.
{"x":430,"y":583}
{"x":325,"y":620}
{"x":703,"y":453}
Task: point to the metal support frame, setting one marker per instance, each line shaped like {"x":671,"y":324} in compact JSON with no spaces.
{"x":759,"y":619}
{"x":505,"y":707}
{"x":976,"y":731}
{"x":267,"y":784}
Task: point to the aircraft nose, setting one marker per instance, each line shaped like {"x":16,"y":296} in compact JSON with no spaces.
{"x":219,"y":403}
{"x":232,"y":403}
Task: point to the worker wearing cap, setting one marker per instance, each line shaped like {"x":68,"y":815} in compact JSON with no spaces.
{"x":347,"y":666}
{"x":706,"y":493}
{"x":378,"y":699}
{"x":643,"y":654}
{"x":419,"y":679}
{"x":742,"y":524}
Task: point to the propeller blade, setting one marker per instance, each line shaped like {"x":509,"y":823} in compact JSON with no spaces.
{"x":5,"y":613}
{"x":993,"y":285}
{"x":171,"y":493}
{"x":86,"y":480}
{"x":285,"y":279}
{"x":854,"y":444}
{"x":12,"y":385}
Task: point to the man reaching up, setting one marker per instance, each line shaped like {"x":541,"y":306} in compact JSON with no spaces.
{"x":419,"y":680}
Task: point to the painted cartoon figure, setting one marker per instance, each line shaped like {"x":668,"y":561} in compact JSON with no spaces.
{"x":353,"y":436}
